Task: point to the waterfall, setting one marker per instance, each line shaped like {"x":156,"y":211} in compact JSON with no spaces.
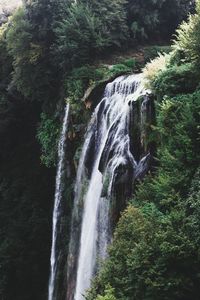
{"x":57,"y":203}
{"x":107,"y":164}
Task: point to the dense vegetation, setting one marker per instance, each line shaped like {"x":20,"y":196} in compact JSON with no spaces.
{"x":46,"y":52}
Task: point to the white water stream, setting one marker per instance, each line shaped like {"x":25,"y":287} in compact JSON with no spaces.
{"x":57,"y":202}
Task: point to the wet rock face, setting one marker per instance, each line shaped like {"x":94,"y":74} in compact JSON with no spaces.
{"x":141,"y":117}
{"x":94,"y":93}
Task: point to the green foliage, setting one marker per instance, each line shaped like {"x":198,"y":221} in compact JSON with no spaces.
{"x":130,"y":63}
{"x":5,"y":59}
{"x":188,"y":36}
{"x":151,"y":52}
{"x":78,"y":36}
{"x":29,"y":40}
{"x":112,"y":15}
{"x":120,"y":69}
{"x":109,"y":294}
{"x":152,"y":69}
{"x":193,"y":209}
{"x":75,"y":86}
{"x":140,"y":26}
{"x":178,"y":132}
{"x":88,"y":29}
{"x":48,"y":135}
{"x":148,"y":19}
{"x":19,"y":46}
{"x":176,"y":80}
{"x":80,"y":79}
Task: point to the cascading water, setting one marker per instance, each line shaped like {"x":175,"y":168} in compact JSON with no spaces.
{"x":57,"y":203}
{"x":107,"y":163}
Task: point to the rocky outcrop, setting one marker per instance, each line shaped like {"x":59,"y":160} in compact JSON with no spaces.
{"x":94,"y":93}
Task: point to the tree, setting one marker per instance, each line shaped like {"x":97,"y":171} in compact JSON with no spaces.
{"x":30,"y":41}
{"x":188,"y":37}
{"x":89,"y":28}
{"x":150,"y":256}
{"x":112,"y":15}
{"x":78,"y":36}
{"x":152,"y":19}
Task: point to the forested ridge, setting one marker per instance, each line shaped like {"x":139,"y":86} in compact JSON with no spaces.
{"x":51,"y":52}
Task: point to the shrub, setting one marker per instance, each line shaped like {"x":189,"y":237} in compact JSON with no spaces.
{"x":153,"y":68}
{"x":188,"y":36}
{"x":176,"y":80}
{"x":130,"y":63}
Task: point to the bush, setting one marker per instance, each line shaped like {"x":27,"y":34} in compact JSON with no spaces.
{"x":130,"y":63}
{"x":153,"y":68}
{"x":188,"y":37}
{"x":176,"y":80}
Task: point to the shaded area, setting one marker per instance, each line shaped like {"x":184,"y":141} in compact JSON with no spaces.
{"x":26,"y":198}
